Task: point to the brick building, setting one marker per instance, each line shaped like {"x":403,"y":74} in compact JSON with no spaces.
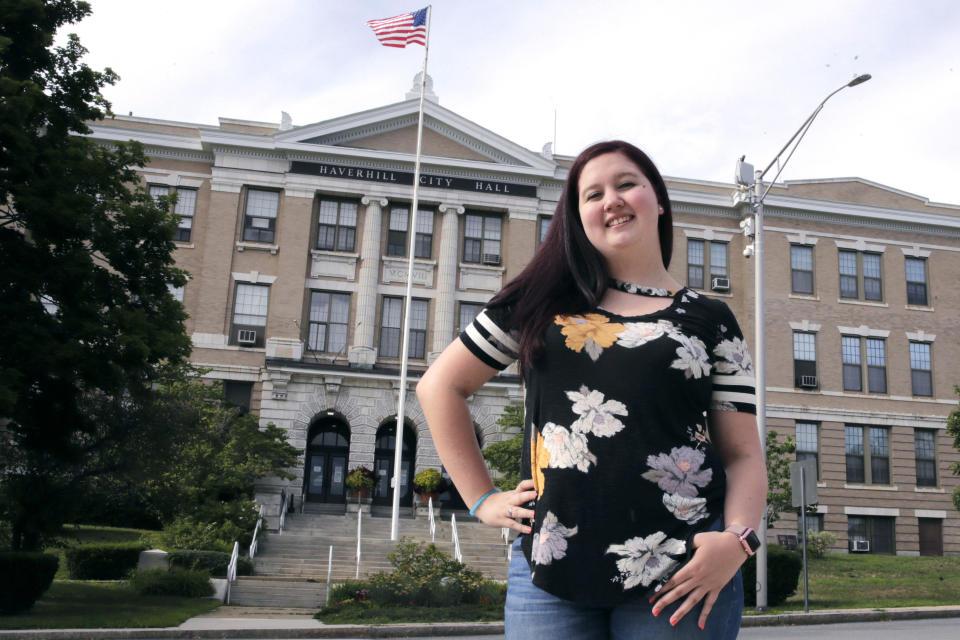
{"x":295,"y":238}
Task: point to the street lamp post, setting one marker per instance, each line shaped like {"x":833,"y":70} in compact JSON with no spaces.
{"x":751,"y":190}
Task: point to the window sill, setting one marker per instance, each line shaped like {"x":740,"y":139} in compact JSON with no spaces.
{"x":804,"y":296}
{"x":339,"y":254}
{"x":405,"y":260}
{"x":482,"y":267}
{"x":190,"y":245}
{"x":258,"y":246}
{"x":928,"y":490}
{"x":821,"y":485}
{"x":911,"y":307}
{"x":863,"y":303}
{"x":872,"y":487}
{"x":710,"y":292}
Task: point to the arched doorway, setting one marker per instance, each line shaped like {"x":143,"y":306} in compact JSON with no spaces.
{"x":328,"y":445}
{"x":383,"y":454}
{"x":450,"y":499}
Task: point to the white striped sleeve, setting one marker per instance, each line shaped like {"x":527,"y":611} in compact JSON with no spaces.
{"x":488,"y":340}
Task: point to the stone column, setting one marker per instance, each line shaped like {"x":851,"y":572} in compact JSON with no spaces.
{"x":362,"y":352}
{"x":444,"y":316}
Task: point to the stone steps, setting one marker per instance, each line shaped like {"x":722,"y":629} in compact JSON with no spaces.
{"x":290,"y":569}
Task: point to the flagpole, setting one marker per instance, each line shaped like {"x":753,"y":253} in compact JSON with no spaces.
{"x":412,"y":230}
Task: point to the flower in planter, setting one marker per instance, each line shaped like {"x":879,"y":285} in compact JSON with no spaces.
{"x":429,"y":481}
{"x":360,"y":478}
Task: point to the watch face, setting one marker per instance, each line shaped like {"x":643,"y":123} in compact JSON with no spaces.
{"x":752,"y":540}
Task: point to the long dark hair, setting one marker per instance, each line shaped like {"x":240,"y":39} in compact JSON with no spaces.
{"x":567,"y":274}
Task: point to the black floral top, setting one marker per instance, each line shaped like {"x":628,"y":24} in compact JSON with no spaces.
{"x":617,"y":439}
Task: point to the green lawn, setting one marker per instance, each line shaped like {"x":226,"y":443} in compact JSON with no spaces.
{"x":839,"y":581}
{"x":366,"y":613}
{"x":90,"y":605}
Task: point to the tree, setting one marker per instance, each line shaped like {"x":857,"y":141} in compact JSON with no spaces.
{"x":86,"y":258}
{"x":779,"y":491}
{"x":953,"y":429}
{"x":505,"y":456}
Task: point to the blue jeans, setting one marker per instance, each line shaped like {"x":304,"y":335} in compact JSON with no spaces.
{"x":533,"y":614}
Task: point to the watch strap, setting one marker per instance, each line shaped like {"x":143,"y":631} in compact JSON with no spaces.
{"x":743,"y":533}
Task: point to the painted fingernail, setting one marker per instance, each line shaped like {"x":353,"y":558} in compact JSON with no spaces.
{"x":702,"y":625}
{"x":656,"y":612}
{"x":652,"y":598}
{"x":673,"y":622}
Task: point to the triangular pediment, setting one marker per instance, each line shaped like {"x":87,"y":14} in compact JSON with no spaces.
{"x":394,"y":129}
{"x":855,"y":190}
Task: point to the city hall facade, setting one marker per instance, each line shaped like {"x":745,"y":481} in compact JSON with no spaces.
{"x":296,"y":241}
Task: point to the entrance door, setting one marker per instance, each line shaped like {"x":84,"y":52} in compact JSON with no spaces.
{"x":326,"y":468}
{"x":383,"y":465}
{"x":931,"y":536}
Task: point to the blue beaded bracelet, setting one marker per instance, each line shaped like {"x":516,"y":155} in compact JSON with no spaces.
{"x":473,"y":509}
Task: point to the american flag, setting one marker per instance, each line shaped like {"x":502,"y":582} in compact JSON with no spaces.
{"x":399,"y":31}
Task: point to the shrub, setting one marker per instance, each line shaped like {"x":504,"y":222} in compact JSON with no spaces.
{"x":424,"y":575}
{"x":213,"y":562}
{"x":819,"y":541}
{"x":181,"y":582}
{"x":23,"y":578}
{"x":188,"y":532}
{"x":106,"y":561}
{"x":783,"y":573}
{"x":429,"y":481}
{"x":349,"y":589}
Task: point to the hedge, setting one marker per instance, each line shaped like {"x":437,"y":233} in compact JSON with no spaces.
{"x":23,"y":579}
{"x":783,"y":574}
{"x":104,"y":561}
{"x":180,"y":582}
{"x":213,"y":562}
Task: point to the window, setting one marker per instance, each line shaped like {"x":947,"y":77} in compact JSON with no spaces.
{"x":468,"y":311}
{"x":397,"y":233}
{"x":260,"y":217}
{"x":801,"y":269}
{"x":237,"y":393}
{"x":853,"y":349}
{"x":814,"y":523}
{"x":917,"y":281}
{"x":804,"y":359}
{"x":921,"y":377}
{"x":250,"y":315}
{"x":481,"y":238}
{"x":699,"y":272}
{"x":329,"y":314}
{"x":807,"y":444}
{"x":925,"y":456}
{"x":185,"y":208}
{"x":391,"y":328}
{"x":865,"y":444}
{"x":543,"y":225}
{"x":873,"y":534}
{"x":337,"y":225}
{"x":860,"y":271}
{"x":176,"y":292}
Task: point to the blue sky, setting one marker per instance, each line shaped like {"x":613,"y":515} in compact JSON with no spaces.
{"x":696,"y":84}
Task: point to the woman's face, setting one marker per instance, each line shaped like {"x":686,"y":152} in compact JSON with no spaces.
{"x":618,"y":207}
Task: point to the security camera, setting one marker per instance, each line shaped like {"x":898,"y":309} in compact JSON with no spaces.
{"x":748,"y":251}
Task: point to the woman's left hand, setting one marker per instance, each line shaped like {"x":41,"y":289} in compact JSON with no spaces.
{"x":716,"y":558}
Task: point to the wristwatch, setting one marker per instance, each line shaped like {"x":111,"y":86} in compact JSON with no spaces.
{"x":747,"y":537}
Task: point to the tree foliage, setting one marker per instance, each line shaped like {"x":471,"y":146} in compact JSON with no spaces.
{"x":86,"y":258}
{"x":505,"y":456}
{"x":953,"y":429}
{"x":779,"y":492}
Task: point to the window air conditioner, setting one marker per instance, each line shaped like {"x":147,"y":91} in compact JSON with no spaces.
{"x":491,"y":258}
{"x":247,"y":336}
{"x":808,"y":382}
{"x":720,"y":284}
{"x":861,"y":545}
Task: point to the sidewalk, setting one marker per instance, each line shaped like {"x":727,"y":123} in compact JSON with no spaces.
{"x":264,"y":622}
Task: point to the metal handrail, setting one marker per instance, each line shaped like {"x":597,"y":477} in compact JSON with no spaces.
{"x":254,"y":542}
{"x":456,"y":538}
{"x":284,"y":503}
{"x":433,"y":521}
{"x":303,"y":499}
{"x":232,"y":569}
{"x":329,"y":572}
{"x":359,"y":520}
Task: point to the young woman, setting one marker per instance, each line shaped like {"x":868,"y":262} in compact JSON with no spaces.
{"x":644,"y":472}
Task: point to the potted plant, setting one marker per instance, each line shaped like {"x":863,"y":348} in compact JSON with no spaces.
{"x":360,"y":481}
{"x":428,"y":483}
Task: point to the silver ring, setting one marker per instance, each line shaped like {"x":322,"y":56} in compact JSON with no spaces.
{"x":509,"y":512}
